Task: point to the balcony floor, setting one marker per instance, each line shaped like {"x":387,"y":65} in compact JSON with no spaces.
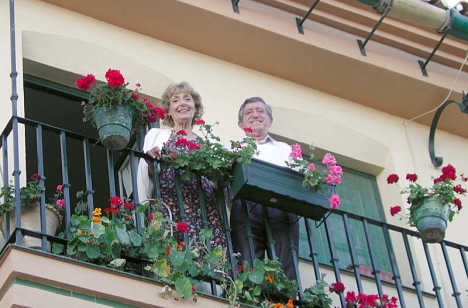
{"x":32,"y":278}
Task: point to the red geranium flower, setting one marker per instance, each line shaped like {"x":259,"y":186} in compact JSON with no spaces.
{"x":199,"y":122}
{"x":193,"y":146}
{"x":412,"y":177}
{"x":459,"y":189}
{"x":86,"y":82}
{"x":182,"y":227}
{"x":114,"y":78}
{"x":337,"y":287}
{"x":36,"y":177}
{"x":129,"y":206}
{"x":115,"y":201}
{"x":392,"y":178}
{"x":248,"y":130}
{"x":395,"y":209}
{"x":182,"y":141}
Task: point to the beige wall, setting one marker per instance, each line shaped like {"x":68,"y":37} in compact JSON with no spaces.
{"x":55,"y":41}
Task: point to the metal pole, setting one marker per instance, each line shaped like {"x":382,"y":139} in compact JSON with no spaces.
{"x":14,"y":102}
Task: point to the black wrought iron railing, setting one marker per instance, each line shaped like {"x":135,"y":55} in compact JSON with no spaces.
{"x":418,"y":274}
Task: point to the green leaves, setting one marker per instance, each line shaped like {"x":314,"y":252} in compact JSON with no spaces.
{"x":135,"y":238}
{"x":207,"y":157}
{"x":97,"y":229}
{"x":183,"y":286}
{"x":122,"y":235}
{"x":257,"y":275}
{"x":104,"y":238}
{"x":255,"y":285}
{"x":161,"y":268}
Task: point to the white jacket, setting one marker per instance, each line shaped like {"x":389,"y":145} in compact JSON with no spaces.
{"x":154,"y":137}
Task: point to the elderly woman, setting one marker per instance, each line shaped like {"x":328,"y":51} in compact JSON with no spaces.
{"x":183,"y":107}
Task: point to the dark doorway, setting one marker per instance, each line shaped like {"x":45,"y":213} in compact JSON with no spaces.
{"x":60,"y":106}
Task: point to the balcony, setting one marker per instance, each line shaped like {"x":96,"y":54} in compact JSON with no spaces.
{"x":397,"y":262}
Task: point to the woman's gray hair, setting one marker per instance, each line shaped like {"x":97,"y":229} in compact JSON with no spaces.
{"x":182,"y":87}
{"x":255,"y":99}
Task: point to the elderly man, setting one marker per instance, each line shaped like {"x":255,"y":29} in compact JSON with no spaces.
{"x":255,"y":118}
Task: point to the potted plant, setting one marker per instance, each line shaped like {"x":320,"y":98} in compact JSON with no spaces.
{"x":92,"y":239}
{"x":110,"y":238}
{"x":207,"y":156}
{"x":431,"y":207}
{"x":260,"y":285}
{"x":301,"y":189}
{"x":115,"y":110}
{"x":369,"y":300}
{"x":318,"y":296}
{"x":265,"y":285}
{"x":30,"y":209}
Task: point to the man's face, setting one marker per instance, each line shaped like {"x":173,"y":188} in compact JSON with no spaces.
{"x":256,"y":117}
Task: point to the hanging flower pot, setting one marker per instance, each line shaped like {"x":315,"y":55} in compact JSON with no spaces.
{"x":430,"y":218}
{"x":114,"y":125}
{"x":30,"y":219}
{"x":115,"y":110}
{"x":431,"y":207}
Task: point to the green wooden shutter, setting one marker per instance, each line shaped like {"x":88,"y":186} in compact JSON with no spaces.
{"x":359,"y":195}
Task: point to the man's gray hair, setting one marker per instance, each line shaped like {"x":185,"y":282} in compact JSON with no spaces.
{"x":255,"y":99}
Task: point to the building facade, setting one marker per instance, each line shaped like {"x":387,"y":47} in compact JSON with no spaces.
{"x":372,"y":111}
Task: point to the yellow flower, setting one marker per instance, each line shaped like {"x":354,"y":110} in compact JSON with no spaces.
{"x":97,"y":211}
{"x":96,"y":219}
{"x":270,"y":279}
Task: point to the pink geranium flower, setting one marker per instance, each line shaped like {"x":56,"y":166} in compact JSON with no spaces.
{"x":315,"y":179}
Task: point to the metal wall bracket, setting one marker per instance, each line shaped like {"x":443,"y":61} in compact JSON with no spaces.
{"x":299,"y":21}
{"x":446,"y":30}
{"x":360,"y":43}
{"x":424,"y":64}
{"x":235,"y":6}
{"x":437,"y":160}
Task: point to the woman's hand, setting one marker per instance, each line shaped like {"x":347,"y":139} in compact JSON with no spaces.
{"x":154,"y":153}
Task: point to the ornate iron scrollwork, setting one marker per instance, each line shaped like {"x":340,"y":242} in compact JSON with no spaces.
{"x":437,"y":160}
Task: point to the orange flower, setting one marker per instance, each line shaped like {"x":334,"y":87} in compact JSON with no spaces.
{"x":290,"y":303}
{"x":79,"y":232}
{"x":168,"y":250}
{"x":277,"y":305}
{"x":97,"y":219}
{"x":270,"y":278}
{"x":97,"y":211}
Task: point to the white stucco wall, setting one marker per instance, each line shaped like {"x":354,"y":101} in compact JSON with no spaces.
{"x":382,"y":144}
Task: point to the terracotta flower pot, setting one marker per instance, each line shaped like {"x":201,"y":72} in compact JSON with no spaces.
{"x":114,"y":125}
{"x":30,"y":219}
{"x":430,"y":218}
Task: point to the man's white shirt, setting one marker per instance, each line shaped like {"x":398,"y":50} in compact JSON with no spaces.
{"x":273,"y":151}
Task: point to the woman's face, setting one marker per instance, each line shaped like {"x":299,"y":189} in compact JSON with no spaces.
{"x":182,"y":107}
